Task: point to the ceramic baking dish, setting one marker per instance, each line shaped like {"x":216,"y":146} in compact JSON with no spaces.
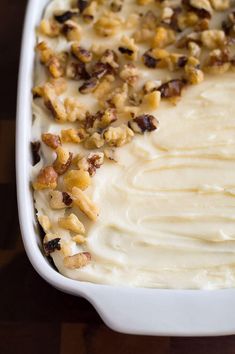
{"x":125,"y":309}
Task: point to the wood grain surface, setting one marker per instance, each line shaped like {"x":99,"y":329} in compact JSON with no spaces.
{"x":34,"y":317}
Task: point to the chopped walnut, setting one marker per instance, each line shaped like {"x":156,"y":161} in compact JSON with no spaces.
{"x":49,"y":28}
{"x":163,"y":37}
{"x":151,"y":86}
{"x":52,"y":245}
{"x":156,"y":58}
{"x":82,"y":4}
{"x":54,"y":62}
{"x":176,"y":61}
{"x":110,"y":57}
{"x":129,"y":74}
{"x":63,"y":160}
{"x":202,"y":7}
{"x":59,"y":84}
{"x":77,"y":178}
{"x":83,"y":202}
{"x":46,"y":179}
{"x":152,"y":100}
{"x":59,"y":200}
{"x":218,"y":62}
{"x":118,"y":136}
{"x":220,"y":5}
{"x":171,"y":88}
{"x":166,"y":15}
{"x":143,"y":35}
{"x":72,"y":223}
{"x":78,"y":260}
{"x":35,"y":147}
{"x":94,"y":141}
{"x":116,"y":5}
{"x":89,"y":12}
{"x":53,"y":103}
{"x":45,"y":223}
{"x":213,"y":39}
{"x":89,"y":86}
{"x":194,"y":74}
{"x":101,"y":119}
{"x":72,"y":31}
{"x":144,"y":2}
{"x":51,"y":140}
{"x":63,"y":16}
{"x":118,"y":97}
{"x":194,"y":49}
{"x":76,"y":70}
{"x":94,"y":161}
{"x":81,"y":53}
{"x":73,"y":135}
{"x":110,"y":154}
{"x":79,"y":239}
{"x":74,"y":110}
{"x":102,"y":89}
{"x":128,"y":48}
{"x":143,"y":123}
{"x":108,"y":24}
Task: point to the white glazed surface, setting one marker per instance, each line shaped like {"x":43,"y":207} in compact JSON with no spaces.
{"x":129,"y":310}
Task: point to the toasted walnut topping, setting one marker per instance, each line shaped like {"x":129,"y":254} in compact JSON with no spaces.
{"x":89,"y":86}
{"x":46,"y":179}
{"x":51,"y":140}
{"x":72,"y":31}
{"x":77,"y":178}
{"x":128,"y":48}
{"x":45,"y":52}
{"x":171,"y":88}
{"x":150,"y":86}
{"x":35,"y":147}
{"x":99,"y":70}
{"x":102,"y":89}
{"x":143,"y":123}
{"x":52,"y":245}
{"x":218,"y":62}
{"x":72,"y":223}
{"x":129,"y":74}
{"x":118,"y":136}
{"x":176,"y":61}
{"x":110,"y":154}
{"x":45,"y":223}
{"x":59,"y":200}
{"x":213,"y":38}
{"x":101,"y":119}
{"x":73,"y":135}
{"x":81,"y":53}
{"x":108,"y":24}
{"x":152,"y":100}
{"x":94,"y":141}
{"x":192,"y":70}
{"x":83,"y":202}
{"x":76,"y":71}
{"x":49,"y":28}
{"x":75,"y":111}
{"x":59,"y":84}
{"x":37,"y":91}
{"x":202,"y":7}
{"x":166,"y":15}
{"x":163,"y":37}
{"x":220,"y":5}
{"x":53,"y":103}
{"x":143,"y":35}
{"x":63,"y":16}
{"x":89,"y":13}
{"x":94,"y":161}
{"x":116,"y":5}
{"x":82,"y":4}
{"x":79,"y":239}
{"x":194,"y":49}
{"x":110,"y":57}
{"x":78,"y":260}
{"x":63,"y":160}
{"x":154,"y":58}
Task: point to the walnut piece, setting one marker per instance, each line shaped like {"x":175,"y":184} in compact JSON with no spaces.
{"x":52,"y":245}
{"x":83,"y":202}
{"x":63,"y":160}
{"x":118,"y":136}
{"x":51,"y":140}
{"x":77,"y":178}
{"x":46,"y":179}
{"x":143,"y":123}
{"x":78,"y":260}
{"x":59,"y":200}
{"x":72,"y":223}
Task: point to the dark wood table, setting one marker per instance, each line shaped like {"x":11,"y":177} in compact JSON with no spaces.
{"x":34,"y":317}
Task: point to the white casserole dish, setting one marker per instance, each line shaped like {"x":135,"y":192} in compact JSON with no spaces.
{"x":125,"y":309}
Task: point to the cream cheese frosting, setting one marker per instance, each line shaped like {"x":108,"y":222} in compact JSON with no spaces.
{"x":167,"y":206}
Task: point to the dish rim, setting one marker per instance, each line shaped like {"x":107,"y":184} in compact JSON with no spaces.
{"x":165,"y":312}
